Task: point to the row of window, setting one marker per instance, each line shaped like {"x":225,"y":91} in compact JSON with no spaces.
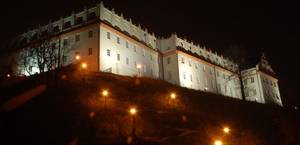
{"x":66,"y":41}
{"x":269,"y":82}
{"x":248,"y":80}
{"x":118,"y":40}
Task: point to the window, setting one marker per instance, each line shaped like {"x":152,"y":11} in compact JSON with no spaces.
{"x":118,"y":57}
{"x":203,"y":68}
{"x":190,"y":64}
{"x":108,"y":52}
{"x":127,"y":60}
{"x":245,"y":81}
{"x":77,"y":37}
{"x":134,"y":48}
{"x":144,"y":68}
{"x":118,"y":40}
{"x":151,"y":57}
{"x":225,"y":88}
{"x":224,"y":77}
{"x":169,"y":60}
{"x":169,"y":75}
{"x":218,"y":74}
{"x":127,"y":45}
{"x":90,"y":33}
{"x":191,"y":77}
{"x":64,"y":59}
{"x":90,"y":51}
{"x":184,"y":77}
{"x":66,"y":42}
{"x":252,"y":80}
{"x":196,"y":66}
{"x":210,"y":70}
{"x":182,"y":60}
{"x":108,"y":35}
{"x":144,"y":53}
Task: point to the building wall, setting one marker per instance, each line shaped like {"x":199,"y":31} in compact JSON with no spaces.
{"x":270,"y":89}
{"x":120,"y":54}
{"x":252,"y":85}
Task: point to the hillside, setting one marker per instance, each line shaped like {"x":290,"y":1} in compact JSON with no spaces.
{"x":71,"y":111}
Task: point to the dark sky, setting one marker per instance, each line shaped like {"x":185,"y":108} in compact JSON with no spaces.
{"x":254,"y":26}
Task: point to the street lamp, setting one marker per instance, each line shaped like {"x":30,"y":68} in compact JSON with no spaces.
{"x":226,"y":130}
{"x":218,"y":142}
{"x":139,"y":66}
{"x":84,"y":65}
{"x":8,"y":75}
{"x":104,"y":94}
{"x":77,"y":57}
{"x":173,"y":96}
{"x":132,"y":112}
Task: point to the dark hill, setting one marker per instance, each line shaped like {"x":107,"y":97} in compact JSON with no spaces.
{"x":72,"y":111}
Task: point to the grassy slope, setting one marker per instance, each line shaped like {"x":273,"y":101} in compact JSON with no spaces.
{"x":71,"y":111}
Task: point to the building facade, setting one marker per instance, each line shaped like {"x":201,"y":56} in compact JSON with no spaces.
{"x":260,"y":83}
{"x":108,"y":42}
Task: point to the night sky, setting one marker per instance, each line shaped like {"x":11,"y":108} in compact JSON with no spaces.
{"x":253,"y":26}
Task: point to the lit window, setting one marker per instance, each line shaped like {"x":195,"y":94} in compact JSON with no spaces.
{"x":108,"y":35}
{"x":77,"y":37}
{"x":118,"y":57}
{"x":90,"y":51}
{"x":90,"y":34}
{"x":108,"y":52}
{"x":118,"y":40}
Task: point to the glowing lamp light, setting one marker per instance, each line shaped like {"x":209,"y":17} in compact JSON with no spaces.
{"x":105,"y":93}
{"x":84,"y":65}
{"x":138,"y":66}
{"x":218,"y":142}
{"x":132,"y":111}
{"x":173,"y":96}
{"x":226,"y":129}
{"x":8,"y":75}
{"x":77,"y":57}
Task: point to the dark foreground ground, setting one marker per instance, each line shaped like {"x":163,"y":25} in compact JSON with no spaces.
{"x":70,"y":110}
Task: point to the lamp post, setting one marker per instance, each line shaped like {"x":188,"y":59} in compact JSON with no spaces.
{"x":139,"y":66}
{"x":218,"y":142}
{"x":105,"y":95}
{"x":77,"y":57}
{"x":173,"y":98}
{"x":132,"y":112}
{"x":226,"y":130}
{"x":84,"y":67}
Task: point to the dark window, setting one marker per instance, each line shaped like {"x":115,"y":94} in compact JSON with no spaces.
{"x":108,"y":35}
{"x":66,"y":42}
{"x":127,"y":44}
{"x":77,"y":37}
{"x":79,"y":20}
{"x":67,"y":24}
{"x":118,"y":57}
{"x":56,"y":29}
{"x":127,"y":60}
{"x":118,"y":40}
{"x":90,"y":33}
{"x":108,"y":52}
{"x":90,"y":51}
{"x":91,"y":15}
{"x":168,"y":60}
{"x":252,"y":80}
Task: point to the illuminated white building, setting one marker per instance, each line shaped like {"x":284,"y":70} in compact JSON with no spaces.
{"x":108,"y":42}
{"x":260,"y":83}
{"x":192,"y":66}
